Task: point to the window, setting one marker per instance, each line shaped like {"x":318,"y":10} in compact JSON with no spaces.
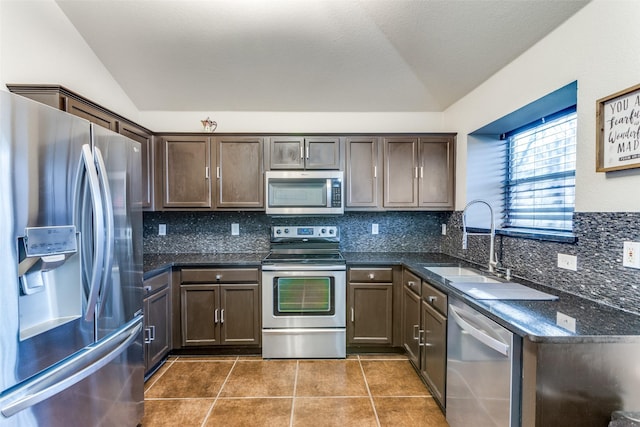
{"x":540,"y":174}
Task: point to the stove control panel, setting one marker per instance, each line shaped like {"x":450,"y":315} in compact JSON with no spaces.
{"x":304,"y":232}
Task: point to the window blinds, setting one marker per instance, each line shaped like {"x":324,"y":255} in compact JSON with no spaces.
{"x":540,"y":184}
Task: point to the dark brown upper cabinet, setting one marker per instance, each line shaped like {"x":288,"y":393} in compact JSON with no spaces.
{"x":419,"y":172}
{"x":186,"y":169}
{"x":364,"y":173}
{"x":240,"y":173}
{"x":292,"y":152}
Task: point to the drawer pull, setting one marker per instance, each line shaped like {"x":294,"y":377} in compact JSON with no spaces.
{"x":371,"y":276}
{"x":411,"y":283}
{"x":218,"y":277}
{"x":147,"y":288}
{"x":432,"y":299}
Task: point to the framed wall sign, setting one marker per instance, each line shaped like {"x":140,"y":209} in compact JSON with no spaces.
{"x":618,"y":133}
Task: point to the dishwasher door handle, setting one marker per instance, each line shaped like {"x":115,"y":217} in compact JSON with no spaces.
{"x":485,"y":339}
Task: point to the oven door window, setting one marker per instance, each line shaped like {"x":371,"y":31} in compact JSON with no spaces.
{"x":304,"y":296}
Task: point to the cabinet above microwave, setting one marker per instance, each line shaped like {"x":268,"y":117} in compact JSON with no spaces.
{"x":294,"y":153}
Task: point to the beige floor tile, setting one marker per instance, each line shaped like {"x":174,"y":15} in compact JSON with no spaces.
{"x":269,"y":378}
{"x":378,"y":356}
{"x":330,"y":378}
{"x":409,"y":411}
{"x":393,"y":378}
{"x":252,"y":412}
{"x":171,"y":413}
{"x":191,"y":379}
{"x":333,"y":411}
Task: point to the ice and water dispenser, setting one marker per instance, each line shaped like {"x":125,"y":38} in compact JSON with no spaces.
{"x":50,"y":278}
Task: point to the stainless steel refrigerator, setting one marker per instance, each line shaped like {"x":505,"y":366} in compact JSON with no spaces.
{"x":70,"y":271}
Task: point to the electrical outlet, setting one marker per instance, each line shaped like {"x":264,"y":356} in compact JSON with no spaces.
{"x":568,"y":262}
{"x":631,"y":254}
{"x":566,"y":322}
{"x":374,"y":228}
{"x":235,"y":229}
{"x":444,"y":229}
{"x":162,"y":230}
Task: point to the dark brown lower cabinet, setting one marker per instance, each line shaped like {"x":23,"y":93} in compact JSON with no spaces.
{"x":157,"y":320}
{"x":370,"y":307}
{"x":424,"y":332}
{"x":433,"y":363}
{"x":213,"y":314}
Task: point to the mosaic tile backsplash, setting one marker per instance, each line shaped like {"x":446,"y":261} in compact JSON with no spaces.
{"x":600,"y":275}
{"x":600,"y":236}
{"x":210,"y":232}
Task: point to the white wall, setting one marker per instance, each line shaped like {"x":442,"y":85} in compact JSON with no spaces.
{"x":40,"y":45}
{"x":262,"y":121}
{"x":598,"y":47}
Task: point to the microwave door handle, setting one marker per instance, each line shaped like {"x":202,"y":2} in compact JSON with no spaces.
{"x":329,"y":189}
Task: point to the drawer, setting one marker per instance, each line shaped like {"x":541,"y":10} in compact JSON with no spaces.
{"x":434,"y":297}
{"x":371,"y":275}
{"x":156,"y":283}
{"x":220,"y":275}
{"x":411,"y":281}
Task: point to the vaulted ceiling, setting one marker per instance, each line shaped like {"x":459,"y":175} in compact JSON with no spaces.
{"x":309,"y":55}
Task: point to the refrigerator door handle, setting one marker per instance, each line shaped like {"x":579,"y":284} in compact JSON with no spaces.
{"x":73,"y":370}
{"x":99,"y":231}
{"x":109,"y":225}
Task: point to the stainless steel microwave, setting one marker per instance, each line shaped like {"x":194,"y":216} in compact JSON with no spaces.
{"x":304,"y":192}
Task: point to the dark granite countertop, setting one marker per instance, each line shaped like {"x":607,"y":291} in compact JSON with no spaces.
{"x":533,"y":320}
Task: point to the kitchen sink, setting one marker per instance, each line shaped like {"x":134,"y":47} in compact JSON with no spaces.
{"x":453,"y":271}
{"x":472,"y":279}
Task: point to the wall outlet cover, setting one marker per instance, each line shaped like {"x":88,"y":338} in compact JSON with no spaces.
{"x":568,"y":262}
{"x":631,"y":254}
{"x":374,"y":228}
{"x":444,"y":229}
{"x":162,"y":229}
{"x":235,"y":229}
{"x":566,"y":322}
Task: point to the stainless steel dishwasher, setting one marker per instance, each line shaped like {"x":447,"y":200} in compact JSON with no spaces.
{"x":483,"y":370}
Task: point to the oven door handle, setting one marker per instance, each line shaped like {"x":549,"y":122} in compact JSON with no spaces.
{"x":303,"y":267}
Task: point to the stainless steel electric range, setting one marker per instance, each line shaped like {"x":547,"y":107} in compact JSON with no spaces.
{"x":304,"y":294}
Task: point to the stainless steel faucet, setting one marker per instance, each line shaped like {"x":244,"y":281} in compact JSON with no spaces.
{"x":492,"y":233}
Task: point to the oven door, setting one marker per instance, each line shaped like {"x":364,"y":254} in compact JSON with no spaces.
{"x":304,"y":299}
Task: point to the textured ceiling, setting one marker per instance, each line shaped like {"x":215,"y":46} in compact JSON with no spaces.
{"x":309,"y":55}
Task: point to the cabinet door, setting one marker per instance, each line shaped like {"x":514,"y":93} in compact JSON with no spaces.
{"x":363,"y":187}
{"x":322,"y":153}
{"x":239,"y":173}
{"x":286,"y":153}
{"x":370,"y":313}
{"x":240,"y":314}
{"x":146,"y":146}
{"x":157,"y":314}
{"x":200,"y":314}
{"x":434,"y":351}
{"x":437,"y":159}
{"x":186,"y":167}
{"x":400,"y":172}
{"x":93,"y":114}
{"x":411,"y":324}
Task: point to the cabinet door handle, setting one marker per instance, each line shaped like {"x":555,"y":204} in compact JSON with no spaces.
{"x":218,"y":172}
{"x":307,"y":151}
{"x":147,"y":335}
{"x":421,"y":342}
{"x":222,"y":316}
{"x":153,"y":333}
{"x":206,"y":172}
{"x":215,"y":316}
{"x":415,"y":329}
{"x":375,"y":171}
{"x":416,"y":172}
{"x":421,"y":172}
{"x":352,"y":315}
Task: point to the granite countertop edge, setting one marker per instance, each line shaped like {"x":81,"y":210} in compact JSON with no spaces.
{"x":532,"y":320}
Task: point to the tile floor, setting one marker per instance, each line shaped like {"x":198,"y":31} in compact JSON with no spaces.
{"x":362,"y":390}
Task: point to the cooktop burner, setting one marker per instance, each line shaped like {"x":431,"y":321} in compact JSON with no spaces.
{"x":305,"y":257}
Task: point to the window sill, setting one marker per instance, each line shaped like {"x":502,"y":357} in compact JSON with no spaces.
{"x":547,"y":236}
